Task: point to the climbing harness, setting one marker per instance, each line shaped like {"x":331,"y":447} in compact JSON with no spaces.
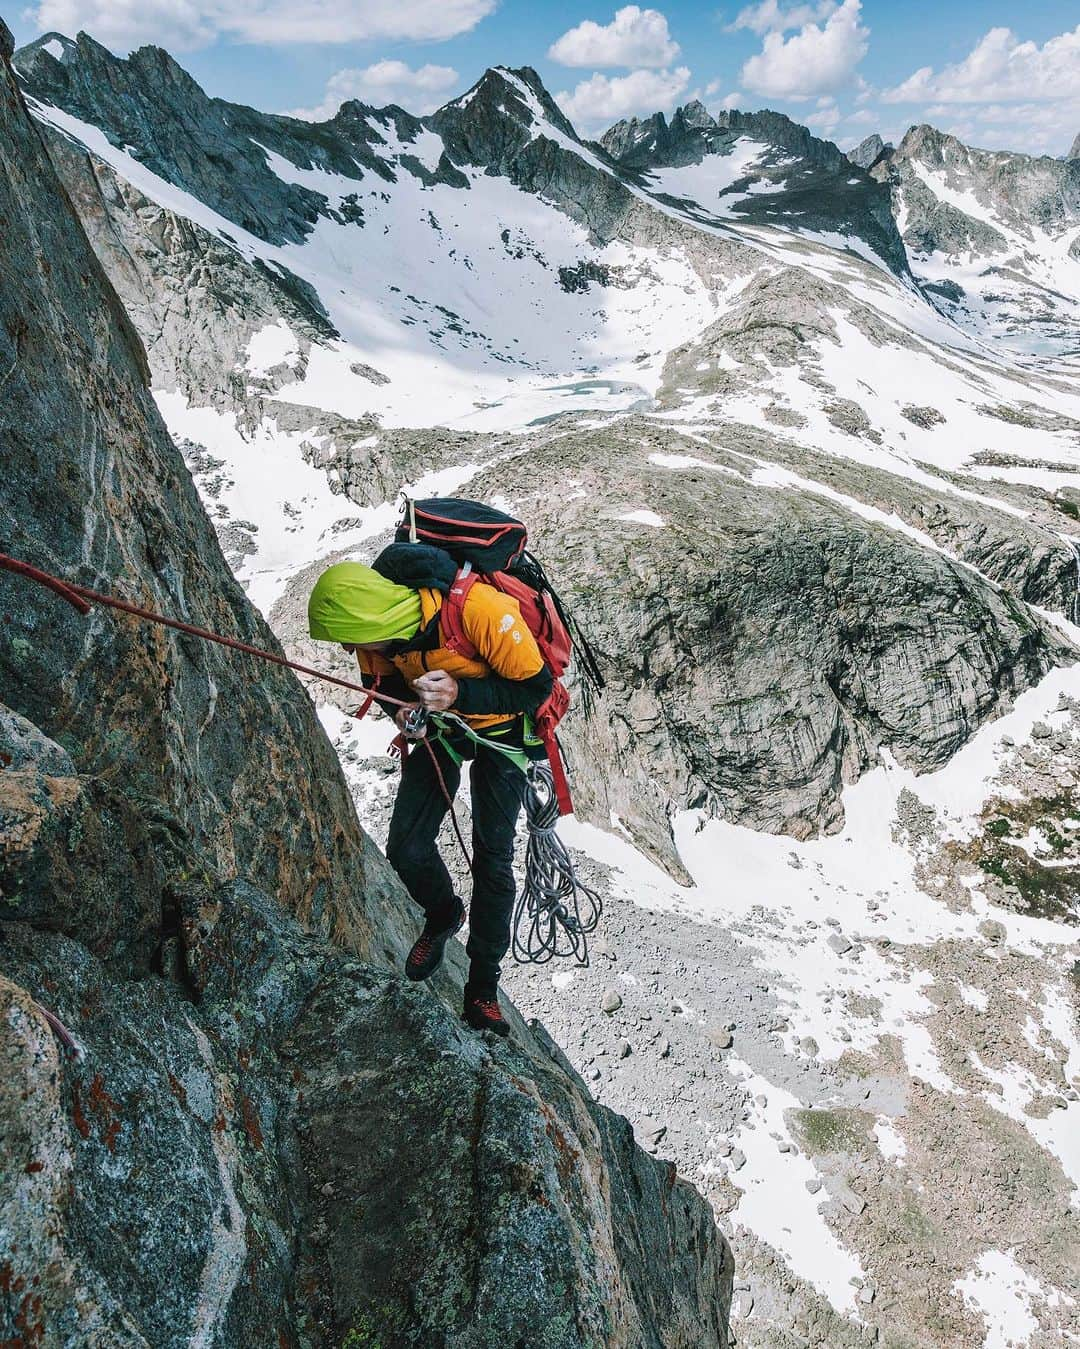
{"x":554,"y":912}
{"x":550,"y":895}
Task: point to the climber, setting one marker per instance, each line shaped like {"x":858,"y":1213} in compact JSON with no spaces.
{"x":395,"y":633}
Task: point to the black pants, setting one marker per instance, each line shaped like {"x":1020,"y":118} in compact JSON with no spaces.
{"x":498,"y":788}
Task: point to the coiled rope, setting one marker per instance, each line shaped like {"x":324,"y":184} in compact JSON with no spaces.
{"x":554,"y":909}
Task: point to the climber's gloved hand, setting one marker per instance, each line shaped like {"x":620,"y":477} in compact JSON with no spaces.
{"x":436,"y":690}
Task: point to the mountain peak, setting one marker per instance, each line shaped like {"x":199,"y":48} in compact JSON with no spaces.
{"x":499,"y":118}
{"x":924,"y":137}
{"x":1074,"y":153}
{"x":695,"y":113}
{"x":868,"y":151}
{"x":506,"y":92}
{"x":55,"y":61}
{"x":57,"y":46}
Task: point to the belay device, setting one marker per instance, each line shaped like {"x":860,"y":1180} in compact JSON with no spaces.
{"x":555,"y":911}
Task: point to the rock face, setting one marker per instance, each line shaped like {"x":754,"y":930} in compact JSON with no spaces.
{"x":195,"y":299}
{"x":1020,"y":191}
{"x":1010,"y":211}
{"x":244,"y":1145}
{"x":759,"y":656}
{"x":868,"y":152}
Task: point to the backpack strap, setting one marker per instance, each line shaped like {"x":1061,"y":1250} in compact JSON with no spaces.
{"x":451,"y":615}
{"x":558,"y":772}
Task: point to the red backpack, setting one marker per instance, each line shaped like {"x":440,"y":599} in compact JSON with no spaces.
{"x":489,"y":546}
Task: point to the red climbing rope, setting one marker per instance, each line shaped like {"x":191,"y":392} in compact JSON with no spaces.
{"x":82,"y":598}
{"x":79,"y":595}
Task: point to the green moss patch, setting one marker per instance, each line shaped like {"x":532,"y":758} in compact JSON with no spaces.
{"x":1044,"y":891}
{"x":831,"y":1130}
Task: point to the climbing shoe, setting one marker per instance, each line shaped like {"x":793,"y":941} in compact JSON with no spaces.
{"x":482,"y":1011}
{"x":427,"y":952}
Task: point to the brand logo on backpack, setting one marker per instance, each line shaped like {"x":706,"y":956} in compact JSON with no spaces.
{"x":488,"y":545}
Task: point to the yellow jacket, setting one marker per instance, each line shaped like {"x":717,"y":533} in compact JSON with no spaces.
{"x":493,"y":624}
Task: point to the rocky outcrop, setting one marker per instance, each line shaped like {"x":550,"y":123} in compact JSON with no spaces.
{"x":639,"y":143}
{"x":868,"y":151}
{"x":195,"y":300}
{"x":1017,"y":191}
{"x":242,"y":1141}
{"x":762,"y":642}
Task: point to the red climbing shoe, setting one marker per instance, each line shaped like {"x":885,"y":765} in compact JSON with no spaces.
{"x":482,"y":1011}
{"x":427,"y":952}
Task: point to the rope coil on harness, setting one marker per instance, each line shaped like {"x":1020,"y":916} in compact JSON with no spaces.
{"x":554,"y":908}
{"x":552,"y":898}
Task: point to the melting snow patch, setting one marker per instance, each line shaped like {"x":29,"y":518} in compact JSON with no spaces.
{"x":974,"y":997}
{"x":427,"y":148}
{"x":889,"y":1140}
{"x":1058,"y":1131}
{"x":688,"y":461}
{"x":644,"y":518}
{"x":270,"y":346}
{"x":1002,"y":1292}
{"x":776,"y":1205}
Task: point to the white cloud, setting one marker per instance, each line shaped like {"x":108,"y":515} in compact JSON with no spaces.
{"x":180,"y":25}
{"x":1004,"y":94}
{"x":1034,"y":128}
{"x":730,"y":100}
{"x":634,"y":37}
{"x":187,"y":24}
{"x":771,"y":17}
{"x":997,"y":69}
{"x":816,"y":60}
{"x":825,"y":117}
{"x":598,"y":101}
{"x":418,"y":91}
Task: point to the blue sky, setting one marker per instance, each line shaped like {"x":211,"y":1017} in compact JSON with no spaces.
{"x":1000,"y":75}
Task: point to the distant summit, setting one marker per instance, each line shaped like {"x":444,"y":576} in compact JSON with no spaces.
{"x":869,"y":151}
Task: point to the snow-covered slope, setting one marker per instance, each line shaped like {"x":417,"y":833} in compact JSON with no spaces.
{"x":995,"y":234}
{"x":820,"y":510}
